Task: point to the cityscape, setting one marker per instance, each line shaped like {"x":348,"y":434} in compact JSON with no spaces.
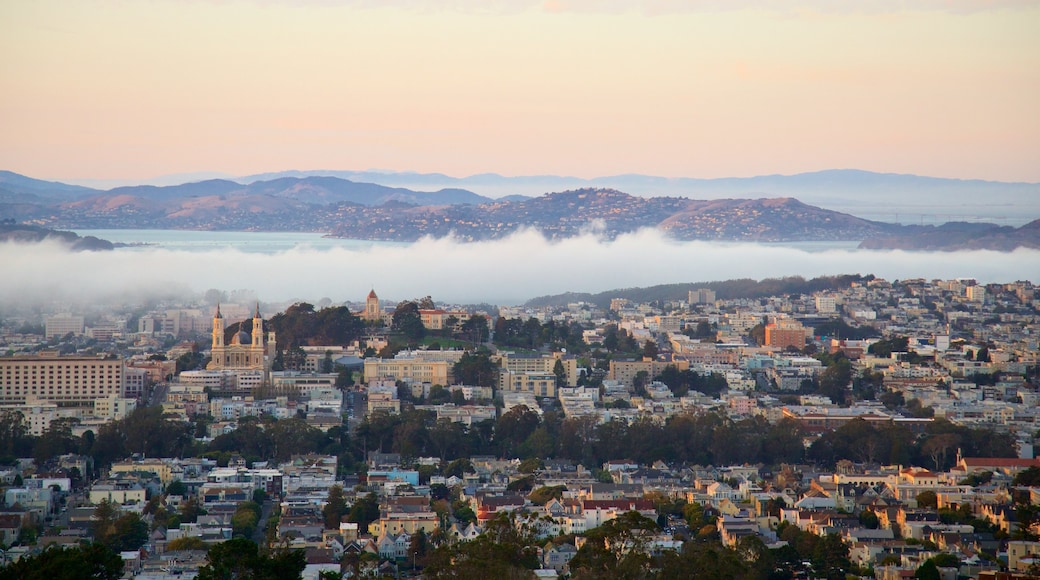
{"x":519,"y":289}
{"x":845,"y":425}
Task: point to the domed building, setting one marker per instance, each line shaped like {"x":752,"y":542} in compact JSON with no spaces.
{"x":248,"y":351}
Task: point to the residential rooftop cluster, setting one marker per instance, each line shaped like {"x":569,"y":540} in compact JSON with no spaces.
{"x":887,"y":425}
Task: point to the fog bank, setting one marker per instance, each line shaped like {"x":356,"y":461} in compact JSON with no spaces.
{"x":507,"y":271}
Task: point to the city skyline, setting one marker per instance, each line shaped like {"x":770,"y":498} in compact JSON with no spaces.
{"x":116,"y":90}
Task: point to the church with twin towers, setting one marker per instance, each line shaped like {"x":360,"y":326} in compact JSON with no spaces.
{"x":246,"y":351}
{"x":255,"y":350}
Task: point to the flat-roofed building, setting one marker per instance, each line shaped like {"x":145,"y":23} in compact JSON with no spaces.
{"x":437,"y":319}
{"x":62,"y":324}
{"x":292,"y":383}
{"x":518,"y":363}
{"x":785,"y":333}
{"x":701,"y":296}
{"x":407,"y":370}
{"x":625,"y":371}
{"x":77,"y":381}
{"x":114,"y":407}
{"x":537,"y":384}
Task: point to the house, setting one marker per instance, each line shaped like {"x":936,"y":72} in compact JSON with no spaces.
{"x":10,"y":527}
{"x":319,"y":560}
{"x":488,"y":506}
{"x":598,"y":512}
{"x":557,"y":557}
{"x":463,"y":533}
{"x":1022,"y":554}
{"x":732,"y":529}
{"x":394,"y":546}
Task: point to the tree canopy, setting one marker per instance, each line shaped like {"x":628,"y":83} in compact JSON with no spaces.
{"x":95,"y":561}
{"x":240,"y":559}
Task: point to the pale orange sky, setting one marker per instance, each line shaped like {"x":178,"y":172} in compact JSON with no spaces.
{"x":125,"y":89}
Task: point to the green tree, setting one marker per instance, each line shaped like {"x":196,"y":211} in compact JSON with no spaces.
{"x":335,"y":508}
{"x":191,"y":509}
{"x":561,"y":373}
{"x":475,"y":329}
{"x":15,"y":440}
{"x":293,"y":436}
{"x":869,"y":520}
{"x":191,"y":360}
{"x":705,"y":561}
{"x":640,"y":381}
{"x":94,"y":561}
{"x":476,"y":369}
{"x":928,"y":571}
{"x":176,"y":487}
{"x":650,"y":349}
{"x":835,"y":380}
{"x":245,"y":518}
{"x":927,"y":499}
{"x":1028,"y":477}
{"x":408,"y":321}
{"x":240,"y":559}
{"x":364,"y":511}
{"x":513,"y":428}
{"x":419,"y":548}
{"x":945,"y":560}
{"x":57,"y":439}
{"x":505,"y":550}
{"x":543,"y":494}
{"x":617,"y":549}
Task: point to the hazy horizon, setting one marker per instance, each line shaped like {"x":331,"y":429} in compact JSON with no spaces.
{"x":195,"y":177}
{"x":125,"y":90}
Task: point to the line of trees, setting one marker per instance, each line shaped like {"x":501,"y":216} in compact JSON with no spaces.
{"x":706,"y":438}
{"x":533,"y":334}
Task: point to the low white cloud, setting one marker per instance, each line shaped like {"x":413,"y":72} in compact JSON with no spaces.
{"x":506,"y":271}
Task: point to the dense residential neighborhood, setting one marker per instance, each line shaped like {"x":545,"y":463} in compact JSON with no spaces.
{"x":860,"y":428}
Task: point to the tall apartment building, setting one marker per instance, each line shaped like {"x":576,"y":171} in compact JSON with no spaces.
{"x":826,"y":304}
{"x":975,"y":293}
{"x":784,"y":333}
{"x":701,"y":296}
{"x":74,"y":381}
{"x":62,"y":324}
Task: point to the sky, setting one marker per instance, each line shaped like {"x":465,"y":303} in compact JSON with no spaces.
{"x":134,"y":89}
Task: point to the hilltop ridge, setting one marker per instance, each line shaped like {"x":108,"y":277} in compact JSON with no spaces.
{"x":369,"y":211}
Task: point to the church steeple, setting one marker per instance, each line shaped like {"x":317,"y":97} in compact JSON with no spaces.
{"x":218,"y":329}
{"x":258,"y":327}
{"x":372,"y":312}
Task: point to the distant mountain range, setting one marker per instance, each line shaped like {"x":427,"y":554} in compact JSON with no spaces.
{"x":352,"y":209}
{"x":888,"y":197}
